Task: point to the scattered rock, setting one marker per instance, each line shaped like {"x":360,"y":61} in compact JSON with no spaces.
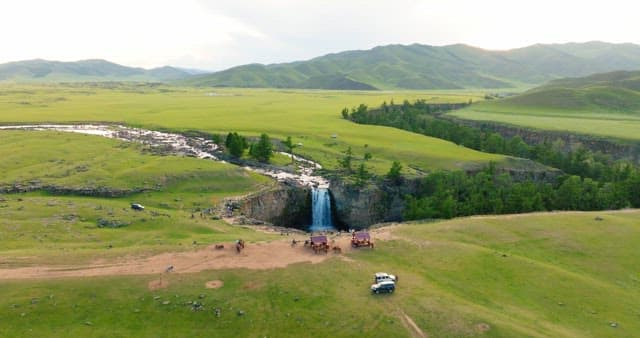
{"x":114,"y":223}
{"x":34,"y":300}
{"x":201,"y":296}
{"x":613,"y":324}
{"x":136,"y":310}
{"x":87,"y":323}
{"x":166,"y":302}
{"x":240,"y":313}
{"x":598,"y":218}
{"x":561,"y":303}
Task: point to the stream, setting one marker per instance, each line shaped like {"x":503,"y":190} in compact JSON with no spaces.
{"x":181,"y":145}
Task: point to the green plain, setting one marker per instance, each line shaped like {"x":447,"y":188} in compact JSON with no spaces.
{"x":610,"y":124}
{"x":310,"y":117}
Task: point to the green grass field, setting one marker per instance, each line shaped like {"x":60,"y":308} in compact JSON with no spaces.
{"x":539,"y":275}
{"x":310,"y":117}
{"x":49,"y":228}
{"x":85,"y":161}
{"x":606,"y":124}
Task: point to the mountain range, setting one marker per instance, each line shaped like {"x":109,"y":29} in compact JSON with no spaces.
{"x":389,"y":67}
{"x":429,"y":67}
{"x":86,"y":70}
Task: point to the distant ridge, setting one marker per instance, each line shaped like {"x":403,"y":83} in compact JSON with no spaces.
{"x":39,"y":70}
{"x":429,"y":67}
{"x":614,"y":91}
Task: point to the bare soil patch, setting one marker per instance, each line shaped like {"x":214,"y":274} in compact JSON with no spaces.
{"x":158,"y":284}
{"x":259,"y":256}
{"x":214,"y":284}
{"x":483,"y":327}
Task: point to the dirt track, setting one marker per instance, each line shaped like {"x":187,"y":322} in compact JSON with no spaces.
{"x":267,"y":255}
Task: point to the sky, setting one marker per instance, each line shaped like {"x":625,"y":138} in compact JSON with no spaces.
{"x":218,"y":34}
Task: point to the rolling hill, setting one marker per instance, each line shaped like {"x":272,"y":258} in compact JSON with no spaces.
{"x":86,"y":70}
{"x":614,"y":91}
{"x":429,"y":67}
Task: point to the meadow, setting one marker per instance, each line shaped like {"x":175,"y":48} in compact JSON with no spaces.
{"x":51,"y":228}
{"x":609,"y":124}
{"x":539,"y":275}
{"x":310,"y":117}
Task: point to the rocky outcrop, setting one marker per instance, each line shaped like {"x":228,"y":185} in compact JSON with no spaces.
{"x":285,"y":205}
{"x":78,"y":191}
{"x":359,"y":207}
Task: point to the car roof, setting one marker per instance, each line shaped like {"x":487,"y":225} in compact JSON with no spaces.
{"x":381,"y":274}
{"x":387,"y":282}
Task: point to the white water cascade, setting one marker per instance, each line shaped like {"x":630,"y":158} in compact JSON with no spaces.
{"x":321,"y":210}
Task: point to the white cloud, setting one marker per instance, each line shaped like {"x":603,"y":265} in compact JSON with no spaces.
{"x":221,"y":33}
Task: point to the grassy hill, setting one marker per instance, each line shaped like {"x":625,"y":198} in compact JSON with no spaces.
{"x":429,"y":67}
{"x":604,"y":104}
{"x":85,"y":70}
{"x":540,"y":275}
{"x":615,"y":91}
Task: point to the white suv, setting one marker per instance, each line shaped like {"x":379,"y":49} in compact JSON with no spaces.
{"x":383,"y":276}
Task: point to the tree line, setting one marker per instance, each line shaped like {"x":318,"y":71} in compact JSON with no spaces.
{"x":451,"y":194}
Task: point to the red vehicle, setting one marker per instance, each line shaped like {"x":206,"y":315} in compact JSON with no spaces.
{"x":361,"y":239}
{"x":319,"y":243}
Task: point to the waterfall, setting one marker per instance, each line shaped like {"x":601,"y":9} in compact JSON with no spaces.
{"x":321,"y":210}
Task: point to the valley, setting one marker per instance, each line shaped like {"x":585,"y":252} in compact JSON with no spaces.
{"x":491,"y":192}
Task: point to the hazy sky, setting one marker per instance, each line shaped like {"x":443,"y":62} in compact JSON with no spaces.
{"x":217,"y":34}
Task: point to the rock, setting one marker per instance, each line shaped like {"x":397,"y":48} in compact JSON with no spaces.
{"x":136,"y":310}
{"x":201,"y":296}
{"x":34,"y":300}
{"x":613,"y":324}
{"x":156,"y":297}
{"x":240,"y":313}
{"x":87,"y":323}
{"x":166,"y":302}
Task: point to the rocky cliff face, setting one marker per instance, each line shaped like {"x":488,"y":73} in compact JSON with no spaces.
{"x":357,"y":208}
{"x":284,"y":205}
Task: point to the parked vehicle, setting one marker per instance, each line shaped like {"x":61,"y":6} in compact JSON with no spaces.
{"x":137,"y":206}
{"x":383,"y":276}
{"x":383,"y":287}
